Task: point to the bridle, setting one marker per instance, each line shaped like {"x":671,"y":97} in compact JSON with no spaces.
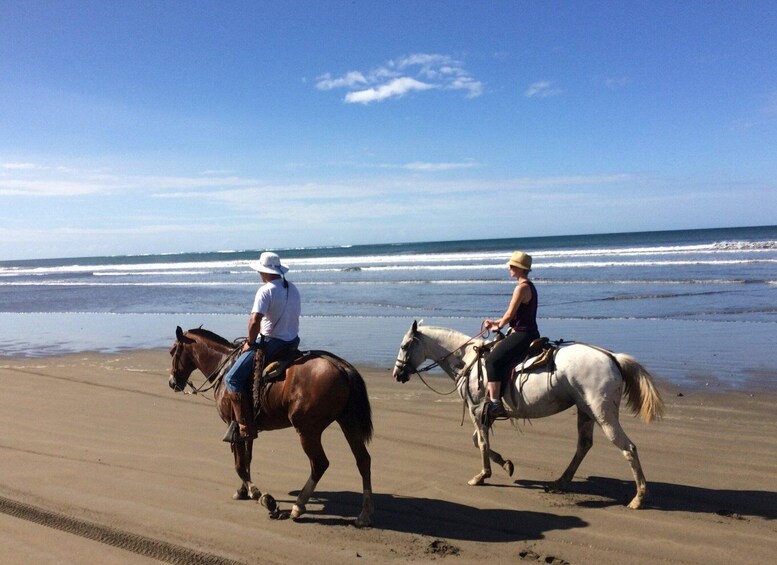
{"x":209,"y":383}
{"x":402,"y":365}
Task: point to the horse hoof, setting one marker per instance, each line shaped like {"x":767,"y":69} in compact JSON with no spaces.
{"x":362,"y":522}
{"x":554,"y":488}
{"x":475,"y":481}
{"x":508,"y":466}
{"x":297,"y":510}
{"x":268,"y":502}
{"x":274,"y":512}
{"x":240,"y":494}
{"x":255,"y":493}
{"x":635,"y":504}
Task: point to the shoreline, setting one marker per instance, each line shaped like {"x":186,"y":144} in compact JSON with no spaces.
{"x":686,"y":354}
{"x":99,"y":443}
{"x":697,"y":384}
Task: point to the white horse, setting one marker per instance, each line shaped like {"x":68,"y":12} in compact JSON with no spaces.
{"x":585,"y":376}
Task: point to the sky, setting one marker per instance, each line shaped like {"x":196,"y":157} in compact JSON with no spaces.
{"x":134,"y":127}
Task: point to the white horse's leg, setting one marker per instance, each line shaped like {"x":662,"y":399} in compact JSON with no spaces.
{"x":614,"y":432}
{"x":482,"y":438}
{"x":585,"y":439}
{"x":496,"y":457}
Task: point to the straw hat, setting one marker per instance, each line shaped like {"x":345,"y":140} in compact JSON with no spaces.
{"x":520,"y":260}
{"x":269,"y":263}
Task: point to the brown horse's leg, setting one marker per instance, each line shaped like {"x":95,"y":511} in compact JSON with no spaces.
{"x":363,"y":462}
{"x":311,"y":444}
{"x":243,"y":452}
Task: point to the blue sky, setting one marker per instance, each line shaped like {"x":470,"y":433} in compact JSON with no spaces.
{"x":145,"y":127}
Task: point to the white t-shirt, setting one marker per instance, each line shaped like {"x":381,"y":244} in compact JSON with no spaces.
{"x":280,"y":309}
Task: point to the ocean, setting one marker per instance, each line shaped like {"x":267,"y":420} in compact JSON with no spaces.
{"x":697,"y":307}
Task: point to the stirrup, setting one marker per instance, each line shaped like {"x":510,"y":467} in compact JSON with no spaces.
{"x":492,"y":411}
{"x":233,"y":433}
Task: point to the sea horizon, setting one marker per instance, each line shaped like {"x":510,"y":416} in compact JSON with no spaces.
{"x":464,"y":243}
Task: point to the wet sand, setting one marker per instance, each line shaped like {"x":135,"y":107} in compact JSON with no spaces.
{"x":101,"y":462}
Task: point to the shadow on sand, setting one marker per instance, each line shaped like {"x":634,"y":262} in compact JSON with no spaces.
{"x":435,"y":518}
{"x":671,"y":497}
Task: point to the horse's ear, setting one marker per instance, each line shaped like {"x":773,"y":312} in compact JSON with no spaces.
{"x":415,"y":326}
{"x":179,"y":333}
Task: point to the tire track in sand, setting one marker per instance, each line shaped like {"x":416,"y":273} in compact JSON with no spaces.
{"x":142,"y":545}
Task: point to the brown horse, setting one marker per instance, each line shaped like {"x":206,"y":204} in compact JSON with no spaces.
{"x":318,"y":389}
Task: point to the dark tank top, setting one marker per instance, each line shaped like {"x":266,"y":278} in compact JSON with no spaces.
{"x":525,"y":319}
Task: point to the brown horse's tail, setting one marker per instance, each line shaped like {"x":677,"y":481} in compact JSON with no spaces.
{"x":642,"y":396}
{"x":357,"y":414}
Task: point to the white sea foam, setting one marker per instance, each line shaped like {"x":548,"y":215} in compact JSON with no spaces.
{"x":466,"y":260}
{"x":554,"y":265}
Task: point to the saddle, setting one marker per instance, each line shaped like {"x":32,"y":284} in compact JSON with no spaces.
{"x":541,"y":353}
{"x":275,"y":370}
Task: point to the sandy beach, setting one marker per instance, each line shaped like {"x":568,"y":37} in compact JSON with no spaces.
{"x":102,"y":462}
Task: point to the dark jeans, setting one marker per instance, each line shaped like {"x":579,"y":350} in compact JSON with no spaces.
{"x":240,"y":374}
{"x":507,"y":353}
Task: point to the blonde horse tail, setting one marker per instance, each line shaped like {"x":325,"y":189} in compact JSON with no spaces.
{"x":641,"y":394}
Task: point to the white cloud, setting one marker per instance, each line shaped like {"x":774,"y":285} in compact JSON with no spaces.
{"x":474,"y":88}
{"x":393,"y":191}
{"x":354,"y":78}
{"x":216,"y":172}
{"x":19,"y":166}
{"x":25,"y":187}
{"x":613,"y":83}
{"x":542,"y":89}
{"x":439,"y":166}
{"x":397,"y":77}
{"x":395,"y":88}
{"x":771,"y":105}
{"x":65,"y":182}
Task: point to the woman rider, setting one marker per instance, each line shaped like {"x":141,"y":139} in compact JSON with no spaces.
{"x":521,"y":316}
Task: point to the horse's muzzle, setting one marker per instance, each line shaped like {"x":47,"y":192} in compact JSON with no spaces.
{"x":174,"y":384}
{"x":401,"y":376}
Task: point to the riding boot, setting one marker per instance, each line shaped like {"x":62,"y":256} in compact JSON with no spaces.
{"x":492,"y":411}
{"x":496,"y":409}
{"x":243,"y":426}
{"x":247,"y":422}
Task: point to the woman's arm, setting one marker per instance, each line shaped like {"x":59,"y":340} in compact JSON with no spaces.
{"x":521,"y":294}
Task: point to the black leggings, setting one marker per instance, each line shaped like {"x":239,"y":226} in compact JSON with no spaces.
{"x":506,"y":354}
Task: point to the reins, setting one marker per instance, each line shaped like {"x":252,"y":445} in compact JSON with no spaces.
{"x":217,"y":375}
{"x":437,"y":363}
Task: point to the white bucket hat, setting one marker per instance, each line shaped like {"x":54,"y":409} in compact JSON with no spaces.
{"x":269,"y":263}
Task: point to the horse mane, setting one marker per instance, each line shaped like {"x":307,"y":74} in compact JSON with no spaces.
{"x":464,"y":345}
{"x":207,"y":334}
{"x":447,"y":331}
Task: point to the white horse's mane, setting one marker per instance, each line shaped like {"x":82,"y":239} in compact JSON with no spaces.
{"x":454,"y":340}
